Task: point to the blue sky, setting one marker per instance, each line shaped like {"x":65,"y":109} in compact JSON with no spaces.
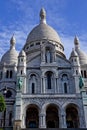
{"x":67,"y":17}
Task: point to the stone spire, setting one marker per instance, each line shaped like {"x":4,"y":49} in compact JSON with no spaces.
{"x":42,"y":16}
{"x":12,"y":42}
{"x":76,"y":42}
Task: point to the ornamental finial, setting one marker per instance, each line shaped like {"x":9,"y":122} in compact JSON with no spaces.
{"x":12,"y":42}
{"x":76,"y":40}
{"x":42,"y":16}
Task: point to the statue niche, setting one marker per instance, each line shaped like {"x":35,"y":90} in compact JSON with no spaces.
{"x":48,"y":56}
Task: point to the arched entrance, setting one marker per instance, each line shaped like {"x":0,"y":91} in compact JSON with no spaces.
{"x":72,"y":118}
{"x":52,"y":119}
{"x":32,"y":117}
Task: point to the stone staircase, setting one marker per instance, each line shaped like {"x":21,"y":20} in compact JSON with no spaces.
{"x":55,"y":129}
{"x":10,"y":128}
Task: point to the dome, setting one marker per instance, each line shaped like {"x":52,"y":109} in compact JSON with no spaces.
{"x":22,"y":53}
{"x":82,"y":55}
{"x":43,"y":31}
{"x":10,"y":57}
{"x":73,"y":53}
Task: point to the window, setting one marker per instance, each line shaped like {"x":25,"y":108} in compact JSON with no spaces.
{"x":84,"y":73}
{"x":65,"y":87}
{"x":8,"y":94}
{"x":0,"y":75}
{"x":75,"y":60}
{"x":10,"y":119}
{"x":21,"y":59}
{"x":7,"y":74}
{"x":31,"y":45}
{"x":76,"y":72}
{"x":33,"y":88}
{"x":38,"y":43}
{"x":49,"y":80}
{"x":11,"y":73}
{"x":21,"y":72}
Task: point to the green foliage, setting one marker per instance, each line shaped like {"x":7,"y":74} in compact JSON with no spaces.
{"x":2,"y":103}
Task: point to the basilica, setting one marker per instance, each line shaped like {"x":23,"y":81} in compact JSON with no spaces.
{"x":41,"y":87}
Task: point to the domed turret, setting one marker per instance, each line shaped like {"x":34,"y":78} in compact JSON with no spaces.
{"x":82,"y":55}
{"x":22,"y":53}
{"x":10,"y":57}
{"x":73,"y":53}
{"x":74,"y":59}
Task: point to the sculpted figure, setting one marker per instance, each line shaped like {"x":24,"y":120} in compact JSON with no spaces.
{"x":48,"y":56}
{"x":20,"y":83}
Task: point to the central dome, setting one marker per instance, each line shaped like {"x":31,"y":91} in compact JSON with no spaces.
{"x":43,"y":31}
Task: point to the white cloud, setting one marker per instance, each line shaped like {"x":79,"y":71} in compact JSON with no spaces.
{"x":25,"y":24}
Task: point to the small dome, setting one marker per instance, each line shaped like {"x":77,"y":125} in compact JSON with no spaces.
{"x":73,"y":53}
{"x":82,"y":55}
{"x":10,"y":57}
{"x":22,"y":53}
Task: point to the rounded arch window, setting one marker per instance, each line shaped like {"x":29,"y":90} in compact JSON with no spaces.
{"x":64,"y":77}
{"x":8,"y":94}
{"x":49,"y":75}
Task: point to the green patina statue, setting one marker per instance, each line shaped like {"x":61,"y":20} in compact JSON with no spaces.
{"x":81,"y":82}
{"x":20,"y":83}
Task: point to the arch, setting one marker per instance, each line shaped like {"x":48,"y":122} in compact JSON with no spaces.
{"x":72,"y":115}
{"x":33,"y":72}
{"x":46,"y":104}
{"x":33,"y":81}
{"x":26,"y":106}
{"x":32,"y":116}
{"x":51,"y":70}
{"x":49,"y":81}
{"x":64,"y":73}
{"x":49,"y":50}
{"x":52,"y":118}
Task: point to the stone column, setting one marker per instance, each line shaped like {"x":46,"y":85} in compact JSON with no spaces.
{"x":42,"y":120}
{"x":44,"y":85}
{"x":41,"y":84}
{"x":23,"y":121}
{"x":55,"y":85}
{"x":62,"y":119}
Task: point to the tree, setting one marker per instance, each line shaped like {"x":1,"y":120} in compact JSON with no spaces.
{"x":2,"y":103}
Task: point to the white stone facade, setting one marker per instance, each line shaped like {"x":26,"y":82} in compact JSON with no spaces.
{"x":42,"y":86}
